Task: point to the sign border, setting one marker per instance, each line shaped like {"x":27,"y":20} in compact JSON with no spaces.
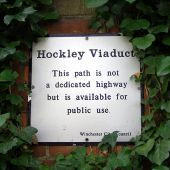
{"x":30,"y":88}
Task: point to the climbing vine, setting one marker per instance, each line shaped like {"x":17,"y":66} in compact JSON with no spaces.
{"x":147,"y":24}
{"x":20,"y":23}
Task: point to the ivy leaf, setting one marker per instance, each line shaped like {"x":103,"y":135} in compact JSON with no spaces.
{"x":161,"y":168}
{"x":145,"y":148}
{"x":111,"y":161}
{"x":153,"y":92}
{"x":79,"y":152}
{"x":28,"y":11}
{"x":123,"y":158}
{"x":25,"y":134}
{"x":4,"y":118}
{"x":26,"y":160}
{"x":166,"y":106}
{"x":152,"y":63}
{"x":131,"y":1}
{"x":166,"y":41}
{"x":4,"y":52}
{"x":164,"y":66}
{"x":159,"y":28}
{"x":95,"y":3}
{"x":163,"y":130}
{"x":132,"y":24}
{"x":147,"y":117}
{"x":20,"y":56}
{"x":160,"y":153}
{"x":109,"y":139}
{"x":143,"y":42}
{"x":39,"y":30}
{"x":20,"y":16}
{"x":17,"y":3}
{"x":8,"y":145}
{"x":15,"y":99}
{"x":9,"y":49}
{"x":8,"y":75}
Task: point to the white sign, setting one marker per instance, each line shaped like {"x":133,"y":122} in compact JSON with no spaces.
{"x":82,"y":89}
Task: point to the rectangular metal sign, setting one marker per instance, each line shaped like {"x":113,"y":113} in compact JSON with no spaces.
{"x":81,"y":89}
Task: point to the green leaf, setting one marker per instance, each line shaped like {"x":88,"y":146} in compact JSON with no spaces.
{"x":109,"y":139}
{"x":145,"y":148}
{"x":143,"y":42}
{"x":132,"y":24}
{"x":8,"y":145}
{"x":20,"y":56}
{"x":9,"y":18}
{"x":119,"y":161}
{"x":14,"y":99}
{"x":159,"y":28}
{"x":123,"y":158}
{"x":79,"y":152}
{"x":166,"y":41}
{"x":161,"y":168}
{"x":20,"y":16}
{"x":25,"y":134}
{"x":160,"y":153}
{"x":8,"y":75}
{"x":166,"y":106}
{"x":4,"y":52}
{"x":164,"y":66}
{"x":95,"y":3}
{"x":4,"y":118}
{"x":163,"y":130}
{"x":147,"y":118}
{"x":111,"y":162}
{"x":28,"y":11}
{"x":152,"y":63}
{"x":153,"y":92}
{"x":17,"y":3}
{"x":39,"y":30}
{"x":26,"y":160}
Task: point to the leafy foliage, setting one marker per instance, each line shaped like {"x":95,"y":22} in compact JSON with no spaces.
{"x":147,"y":23}
{"x":20,"y":22}
{"x":78,"y":159}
